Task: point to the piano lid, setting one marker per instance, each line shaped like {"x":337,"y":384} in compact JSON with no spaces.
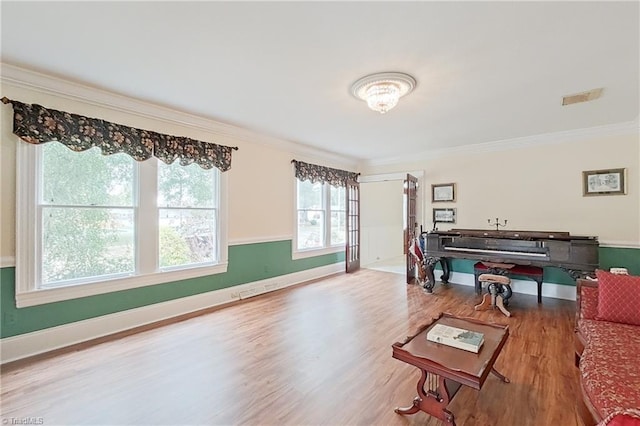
{"x":519,"y":235}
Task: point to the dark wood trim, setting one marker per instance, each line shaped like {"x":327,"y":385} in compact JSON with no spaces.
{"x":579,"y":284}
{"x":578,"y":344}
{"x":410,"y":232}
{"x":579,"y":340}
{"x":587,"y":413}
{"x":352,"y":219}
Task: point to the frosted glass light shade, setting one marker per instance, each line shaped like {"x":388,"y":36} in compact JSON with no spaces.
{"x":383,"y":90}
{"x":382,"y":97}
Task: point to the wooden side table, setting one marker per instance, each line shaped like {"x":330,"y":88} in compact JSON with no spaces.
{"x":444,"y":369}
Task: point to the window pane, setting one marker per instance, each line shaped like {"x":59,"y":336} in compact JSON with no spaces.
{"x":86,"y":242}
{"x":309,"y":196}
{"x":186,"y":186}
{"x":310,"y":229}
{"x":187,"y":237}
{"x":338,"y":228}
{"x":338,"y":198}
{"x":86,"y":178}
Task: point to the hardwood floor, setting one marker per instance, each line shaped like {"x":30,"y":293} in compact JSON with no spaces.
{"x":316,"y":354}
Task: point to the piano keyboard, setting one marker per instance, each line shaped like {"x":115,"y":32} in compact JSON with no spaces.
{"x":517,"y":253}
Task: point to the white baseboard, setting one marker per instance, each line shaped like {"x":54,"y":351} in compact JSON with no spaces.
{"x":557,"y":291}
{"x":41,"y":341}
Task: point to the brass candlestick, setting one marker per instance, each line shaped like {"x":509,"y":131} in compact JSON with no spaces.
{"x":497,"y":223}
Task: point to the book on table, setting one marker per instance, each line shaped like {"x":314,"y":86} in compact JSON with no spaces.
{"x":457,"y":337}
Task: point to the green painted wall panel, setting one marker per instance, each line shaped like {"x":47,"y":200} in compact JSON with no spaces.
{"x":613,"y":257}
{"x":247,"y":263}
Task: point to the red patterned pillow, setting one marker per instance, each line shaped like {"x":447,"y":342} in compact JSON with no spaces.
{"x":624,"y":420}
{"x":618,"y":298}
{"x":624,"y":417}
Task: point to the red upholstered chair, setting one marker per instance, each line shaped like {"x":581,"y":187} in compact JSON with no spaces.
{"x":607,"y":345}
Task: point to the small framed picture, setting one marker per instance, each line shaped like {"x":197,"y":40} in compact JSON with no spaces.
{"x":444,"y":215}
{"x":443,"y":192}
{"x":603,"y":182}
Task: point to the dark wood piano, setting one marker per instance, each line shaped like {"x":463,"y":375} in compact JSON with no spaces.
{"x":578,"y":255}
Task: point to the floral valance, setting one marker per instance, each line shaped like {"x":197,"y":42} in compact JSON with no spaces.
{"x":315,"y":173}
{"x":36,"y":124}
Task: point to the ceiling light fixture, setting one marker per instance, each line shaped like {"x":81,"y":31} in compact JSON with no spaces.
{"x":382,"y":91}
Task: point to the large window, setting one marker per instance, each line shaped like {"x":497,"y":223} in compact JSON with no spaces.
{"x":87,"y":212}
{"x":102,"y":223}
{"x":321,"y":213}
{"x":187,"y":198}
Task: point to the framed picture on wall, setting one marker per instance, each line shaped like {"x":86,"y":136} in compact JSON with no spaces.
{"x":603,"y":182}
{"x":444,"y":215}
{"x":443,"y":192}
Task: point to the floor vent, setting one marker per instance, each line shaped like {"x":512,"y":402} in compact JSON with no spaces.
{"x":245,"y":294}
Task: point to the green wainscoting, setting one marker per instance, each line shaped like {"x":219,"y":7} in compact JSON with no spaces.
{"x":614,"y":257}
{"x":609,"y":257}
{"x":247,"y":263}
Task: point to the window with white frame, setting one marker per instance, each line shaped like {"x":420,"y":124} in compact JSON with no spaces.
{"x":187,"y":199}
{"x":88,"y":220}
{"x":86,"y":208}
{"x":321,"y":216}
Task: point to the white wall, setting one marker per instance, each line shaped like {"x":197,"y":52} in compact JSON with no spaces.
{"x":539,"y":186}
{"x":381,"y":220}
{"x":7,"y":190}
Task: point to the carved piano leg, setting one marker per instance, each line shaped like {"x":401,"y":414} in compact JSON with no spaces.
{"x":476,"y":275}
{"x":446,"y":270}
{"x":430,"y":282}
{"x":506,"y":294}
{"x":575,"y":274}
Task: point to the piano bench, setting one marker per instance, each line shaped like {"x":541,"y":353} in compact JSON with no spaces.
{"x":533,"y":272}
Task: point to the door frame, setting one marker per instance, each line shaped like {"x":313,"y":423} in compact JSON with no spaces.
{"x":401,"y":176}
{"x":353,"y":249}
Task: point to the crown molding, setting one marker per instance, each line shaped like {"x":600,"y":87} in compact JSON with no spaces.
{"x":23,"y":78}
{"x":383,"y":177}
{"x":618,"y":129}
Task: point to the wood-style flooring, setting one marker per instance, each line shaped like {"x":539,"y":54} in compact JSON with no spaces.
{"x":314,"y":354}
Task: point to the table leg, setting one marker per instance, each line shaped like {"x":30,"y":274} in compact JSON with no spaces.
{"x":433,"y":401}
{"x":500,"y":376}
{"x":411,"y":409}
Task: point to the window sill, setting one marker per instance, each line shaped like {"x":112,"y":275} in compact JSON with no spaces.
{"x":303,"y":254}
{"x":41,"y":297}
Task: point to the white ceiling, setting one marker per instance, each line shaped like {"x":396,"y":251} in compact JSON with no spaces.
{"x":485,"y":71}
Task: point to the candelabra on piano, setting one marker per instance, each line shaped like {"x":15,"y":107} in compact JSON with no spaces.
{"x":497,"y":223}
